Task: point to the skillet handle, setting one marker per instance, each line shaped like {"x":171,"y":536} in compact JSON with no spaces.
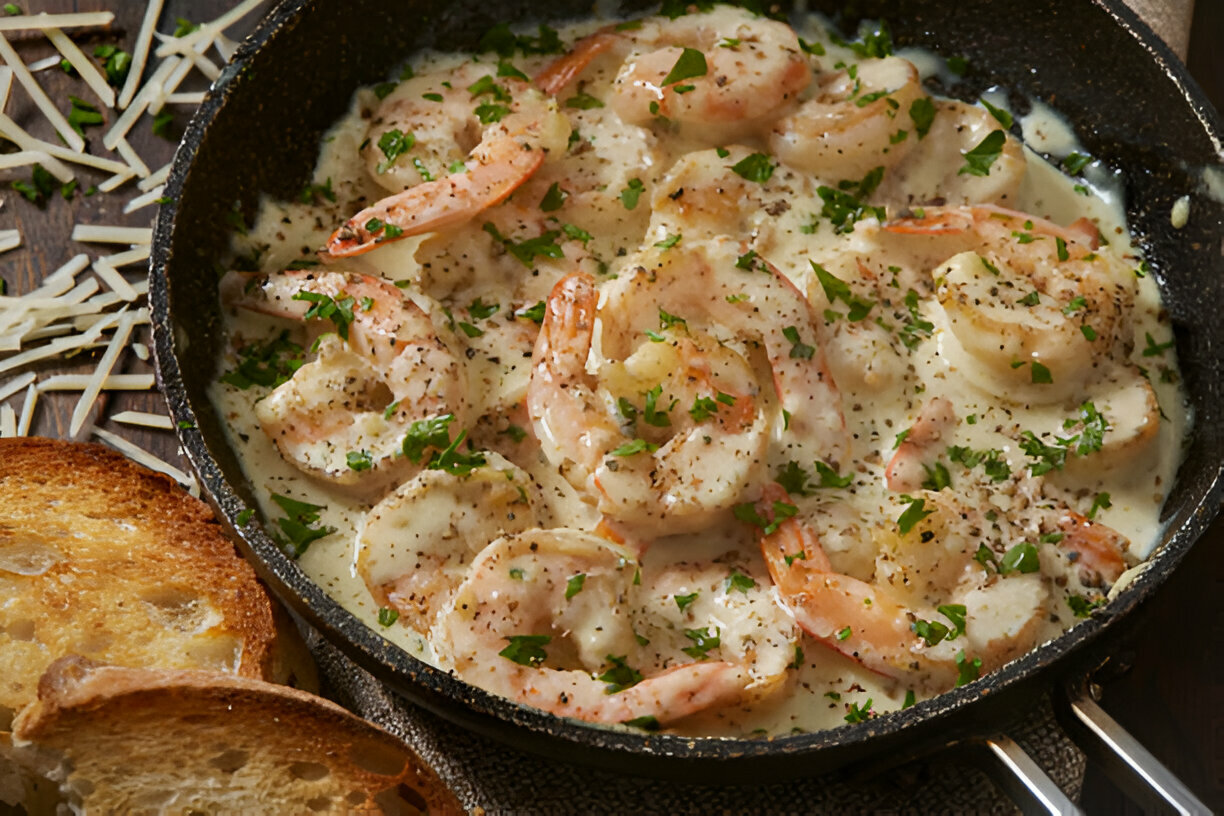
{"x":1131,"y":766}
{"x":1022,"y":779}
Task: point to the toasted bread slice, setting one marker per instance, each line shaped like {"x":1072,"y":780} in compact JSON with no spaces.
{"x":175,"y":741}
{"x":103,"y":558}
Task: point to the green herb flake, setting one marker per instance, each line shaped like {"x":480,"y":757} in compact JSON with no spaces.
{"x":633,"y":447}
{"x":245,"y":517}
{"x":620,"y":675}
{"x":737,"y":581}
{"x":1153,"y":349}
{"x":554,"y":198}
{"x":922,"y":114}
{"x":633,"y":190}
{"x":1075,"y":163}
{"x":1083,"y":607}
{"x":855,"y":714}
{"x":747,"y":513}
{"x":755,"y":167}
{"x":299,"y":524}
{"x":574,"y":585}
{"x":184,"y":27}
{"x":583,"y":101}
{"x":526,"y":650}
{"x":682,"y":601}
{"x":1021,"y":558}
{"x":1003,"y":117}
{"x":1040,"y":374}
{"x":799,"y":350}
{"x":703,"y":642}
{"x":843,"y":634}
{"x":646,"y":722}
{"x":967,"y":670}
{"x":691,"y":63}
{"x":387,"y":616}
{"x":980,"y":158}
{"x":913,"y":514}
{"x":359,"y":460}
{"x":1100,"y":502}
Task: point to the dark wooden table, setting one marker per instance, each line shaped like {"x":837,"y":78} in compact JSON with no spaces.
{"x":1172,"y":698}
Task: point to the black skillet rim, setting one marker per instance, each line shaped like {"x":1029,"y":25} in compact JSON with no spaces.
{"x":438,"y":691}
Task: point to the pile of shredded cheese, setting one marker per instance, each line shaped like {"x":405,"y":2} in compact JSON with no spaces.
{"x":72,"y":312}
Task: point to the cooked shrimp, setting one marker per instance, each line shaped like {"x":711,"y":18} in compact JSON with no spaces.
{"x":342,"y":417}
{"x":417,"y":143}
{"x":738,"y":70}
{"x":876,"y":625}
{"x":906,"y":471}
{"x":416,"y":544}
{"x":932,"y":170}
{"x":675,"y":478}
{"x":540,"y":619}
{"x":850,"y":126}
{"x":1098,"y":551}
{"x":1025,"y":295}
{"x":753,"y":68}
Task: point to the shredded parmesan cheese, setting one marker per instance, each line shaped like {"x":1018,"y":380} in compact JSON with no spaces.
{"x":83,"y":65}
{"x":93,"y":233}
{"x":24,"y":158}
{"x":156,"y":179}
{"x":27,"y":410}
{"x":145,"y":199}
{"x":111,"y":277}
{"x":9,"y":239}
{"x":16,"y":384}
{"x":23,"y":75}
{"x":8,"y":421}
{"x":90,"y":395}
{"x":147,"y":459}
{"x":115,"y":382}
{"x":140,"y":53}
{"x":26,"y":22}
{"x":143,"y":419}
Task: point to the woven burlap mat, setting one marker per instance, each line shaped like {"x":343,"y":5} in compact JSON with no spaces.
{"x":499,"y":779}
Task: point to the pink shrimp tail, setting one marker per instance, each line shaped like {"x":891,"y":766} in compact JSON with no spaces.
{"x":561,"y":71}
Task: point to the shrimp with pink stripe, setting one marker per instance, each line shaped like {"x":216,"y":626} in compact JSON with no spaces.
{"x":677,"y":329}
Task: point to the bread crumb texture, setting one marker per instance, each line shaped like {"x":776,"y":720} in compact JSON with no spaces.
{"x":173,"y":741}
{"x":103,"y":558}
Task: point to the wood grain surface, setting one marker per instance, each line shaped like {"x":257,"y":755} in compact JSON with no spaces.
{"x":1171,"y":697}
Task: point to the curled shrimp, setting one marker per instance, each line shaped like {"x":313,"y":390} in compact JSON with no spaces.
{"x":850,"y":125}
{"x":415,"y":545}
{"x":695,"y":461}
{"x":380,"y":366}
{"x":745,"y":70}
{"x":416,"y":142}
{"x":880,"y":623}
{"x":906,"y":471}
{"x":956,"y":129}
{"x":540,"y":619}
{"x":1037,"y":306}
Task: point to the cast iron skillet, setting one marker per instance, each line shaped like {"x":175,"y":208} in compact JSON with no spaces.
{"x":1130,"y":101}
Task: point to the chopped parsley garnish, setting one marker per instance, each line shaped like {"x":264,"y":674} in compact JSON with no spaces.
{"x":747,"y":512}
{"x":544,"y":245}
{"x":324,"y":307}
{"x":651,"y":414}
{"x":1082,"y":607}
{"x":1153,"y":349}
{"x":1031,"y":299}
{"x":844,"y":633}
{"x":12,"y":9}
{"x":937,"y":477}
{"x":299,"y":524}
{"x":703,"y":642}
{"x":534,"y":313}
{"x":751,"y":262}
{"x":799,"y":350}
{"x":1004,"y":117}
{"x":1075,"y":163}
{"x":704,"y":408}
{"x":184,"y":27}
{"x":874,"y":40}
{"x":836,"y":289}
{"x":755,"y":167}
{"x":1100,"y":502}
{"x":957,"y":65}
{"x":967,"y":670}
{"x":481,"y":310}
{"x":115,"y":62}
{"x":629,"y":195}
{"x":915,"y":328}
{"x":909,"y":699}
{"x":1039,"y":374}
{"x":267,"y":364}
{"x":424,"y":434}
{"x":830,"y":478}
{"x":1021,"y":558}
{"x":931,"y":632}
{"x":691,"y":63}
{"x":554,"y":198}
{"x":583,"y":101}
{"x":1061,"y":247}
{"x":922,"y":113}
{"x":393,"y":144}
{"x":737,"y":581}
{"x":620,"y":675}
{"x":668,"y":242}
{"x":82,"y":114}
{"x":490,"y":112}
{"x":856,"y":714}
{"x":913,"y":514}
{"x":682,"y":601}
{"x":452,"y":461}
{"x":646,"y":722}
{"x":574,"y":585}
{"x":312,"y":192}
{"x":989,"y":459}
{"x":794,"y":479}
{"x":980,"y":158}
{"x":504,"y":42}
{"x":387,"y":616}
{"x":359,"y":460}
{"x":383,"y":89}
{"x":634,"y":446}
{"x":526,"y":650}
{"x":843,"y":209}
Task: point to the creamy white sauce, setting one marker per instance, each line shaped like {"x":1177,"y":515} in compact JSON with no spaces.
{"x":883,"y":387}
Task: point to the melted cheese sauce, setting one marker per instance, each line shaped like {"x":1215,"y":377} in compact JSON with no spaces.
{"x":685,"y":190}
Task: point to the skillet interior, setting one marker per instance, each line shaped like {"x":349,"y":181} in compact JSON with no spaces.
{"x":1130,"y":102}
